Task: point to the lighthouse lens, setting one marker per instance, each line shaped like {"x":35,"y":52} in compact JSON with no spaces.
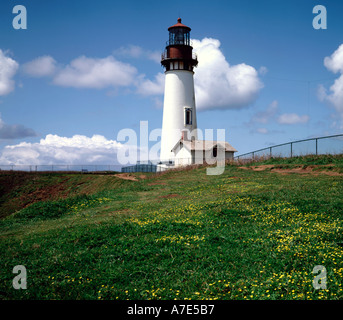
{"x":179,"y":36}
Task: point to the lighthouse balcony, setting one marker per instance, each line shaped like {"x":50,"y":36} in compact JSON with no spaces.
{"x":179,"y":62}
{"x":166,"y":55}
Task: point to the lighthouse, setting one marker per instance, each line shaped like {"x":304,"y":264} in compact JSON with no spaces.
{"x":179,"y":111}
{"x":179,"y":139}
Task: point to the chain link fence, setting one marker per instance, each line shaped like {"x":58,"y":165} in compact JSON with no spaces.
{"x":61,"y":167}
{"x":316,"y":146}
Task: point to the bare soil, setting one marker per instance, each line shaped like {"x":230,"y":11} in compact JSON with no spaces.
{"x":126,"y":176}
{"x":300,"y":169}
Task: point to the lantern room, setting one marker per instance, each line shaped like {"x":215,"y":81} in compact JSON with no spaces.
{"x":179,"y":34}
{"x":178,"y":54}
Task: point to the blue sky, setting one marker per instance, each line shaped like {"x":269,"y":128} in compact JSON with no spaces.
{"x":262,"y":76}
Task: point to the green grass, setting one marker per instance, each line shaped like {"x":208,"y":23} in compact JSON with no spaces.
{"x":303,"y":160}
{"x":181,"y":235}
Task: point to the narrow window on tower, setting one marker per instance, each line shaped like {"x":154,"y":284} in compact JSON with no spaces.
{"x":215,"y":152}
{"x":188,"y":116}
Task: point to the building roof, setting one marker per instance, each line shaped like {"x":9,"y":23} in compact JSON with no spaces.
{"x":179,"y":24}
{"x":199,"y":145}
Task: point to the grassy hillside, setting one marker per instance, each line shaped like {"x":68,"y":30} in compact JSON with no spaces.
{"x":21,"y":189}
{"x":254,"y":232}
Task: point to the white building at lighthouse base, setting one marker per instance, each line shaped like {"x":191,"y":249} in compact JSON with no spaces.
{"x":188,"y":152}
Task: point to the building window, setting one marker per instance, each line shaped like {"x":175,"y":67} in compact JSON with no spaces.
{"x":188,"y":116}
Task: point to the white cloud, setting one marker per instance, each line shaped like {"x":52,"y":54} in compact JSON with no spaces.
{"x":292,"y":118}
{"x":54,"y":149}
{"x":94,"y":73}
{"x":219,"y":85}
{"x":40,"y":67}
{"x":336,"y":95}
{"x":149,"y":87}
{"x":334,"y":63}
{"x":8,"y":68}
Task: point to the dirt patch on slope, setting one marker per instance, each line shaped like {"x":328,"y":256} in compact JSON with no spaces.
{"x":126,"y":176}
{"x":312,"y":169}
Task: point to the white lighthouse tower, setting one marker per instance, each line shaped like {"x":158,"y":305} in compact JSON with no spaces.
{"x":179,"y":113}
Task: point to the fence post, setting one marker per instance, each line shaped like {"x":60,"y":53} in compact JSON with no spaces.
{"x":316,"y":146}
{"x":270,"y":152}
{"x":291,"y":149}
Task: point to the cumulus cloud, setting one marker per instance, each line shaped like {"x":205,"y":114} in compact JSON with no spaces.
{"x":334,"y":63}
{"x":40,"y":67}
{"x":96,"y":73}
{"x":151,"y":87}
{"x":219,"y":85}
{"x":292,"y":118}
{"x":15,"y":131}
{"x":8,"y":68}
{"x":53,"y":149}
